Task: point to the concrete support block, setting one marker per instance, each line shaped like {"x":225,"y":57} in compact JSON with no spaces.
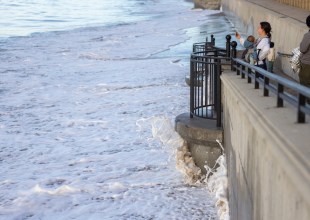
{"x":201,"y":136}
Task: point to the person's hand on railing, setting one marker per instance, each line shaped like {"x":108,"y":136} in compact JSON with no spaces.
{"x":238,"y":36}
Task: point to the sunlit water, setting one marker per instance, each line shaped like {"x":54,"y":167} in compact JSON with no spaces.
{"x":22,"y":17}
{"x":87,"y":114}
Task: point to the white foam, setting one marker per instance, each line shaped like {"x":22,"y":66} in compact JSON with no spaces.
{"x":62,"y":190}
{"x":93,"y":138}
{"x":217,"y":184}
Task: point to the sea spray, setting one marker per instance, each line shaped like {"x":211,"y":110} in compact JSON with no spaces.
{"x":217,"y":183}
{"x":185,"y":163}
{"x":162,"y":129}
{"x":215,"y":179}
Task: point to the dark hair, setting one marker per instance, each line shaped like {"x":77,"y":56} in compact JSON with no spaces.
{"x":271,"y":44}
{"x":268,"y":35}
{"x":308,"y":21}
{"x":266,"y":27}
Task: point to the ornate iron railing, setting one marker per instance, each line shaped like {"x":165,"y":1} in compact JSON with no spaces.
{"x":205,"y":86}
{"x":206,"y":64}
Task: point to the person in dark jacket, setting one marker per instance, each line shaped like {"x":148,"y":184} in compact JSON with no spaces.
{"x":304,"y":74}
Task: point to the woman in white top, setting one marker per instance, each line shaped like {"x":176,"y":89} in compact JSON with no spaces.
{"x":262,"y":44}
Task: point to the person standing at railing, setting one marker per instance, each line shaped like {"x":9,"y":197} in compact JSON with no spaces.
{"x":248,"y":44}
{"x":262,"y":45}
{"x":304,"y":74}
{"x":271,"y":58}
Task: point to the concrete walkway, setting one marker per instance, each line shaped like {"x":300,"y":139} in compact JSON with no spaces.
{"x":295,"y":13}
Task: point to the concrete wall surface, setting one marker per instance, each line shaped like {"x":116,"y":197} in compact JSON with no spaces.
{"x":201,"y":136}
{"x":288,"y":24}
{"x":268,"y":155}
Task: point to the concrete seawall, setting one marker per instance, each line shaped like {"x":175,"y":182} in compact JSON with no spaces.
{"x":288,"y":24}
{"x":268,"y":155}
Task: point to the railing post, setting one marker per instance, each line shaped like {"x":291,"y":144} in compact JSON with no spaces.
{"x":191,"y":84}
{"x":238,"y":68}
{"x":266,"y":83}
{"x":280,"y":90}
{"x":212,"y":40}
{"x":301,"y":116}
{"x":233,"y":54}
{"x":256,"y":83}
{"x":249,"y":75}
{"x":228,"y":38}
{"x":219,"y":97}
{"x":216,"y":76}
{"x":242,"y":72}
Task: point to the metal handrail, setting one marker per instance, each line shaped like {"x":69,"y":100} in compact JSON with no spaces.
{"x":263,"y":77}
{"x":206,"y":67}
{"x":205,"y":84}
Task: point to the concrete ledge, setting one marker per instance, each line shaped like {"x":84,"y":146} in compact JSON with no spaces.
{"x":200,"y":135}
{"x":268,"y":154}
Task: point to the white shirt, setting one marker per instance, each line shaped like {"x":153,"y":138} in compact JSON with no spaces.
{"x":242,"y":41}
{"x":264,"y":46}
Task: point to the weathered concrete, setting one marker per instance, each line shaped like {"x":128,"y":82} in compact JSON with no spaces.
{"x":200,"y":135}
{"x":268,"y":155}
{"x":208,"y":4}
{"x":288,"y":24}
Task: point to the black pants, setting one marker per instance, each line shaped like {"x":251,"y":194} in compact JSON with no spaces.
{"x":263,"y":66}
{"x":304,"y":76}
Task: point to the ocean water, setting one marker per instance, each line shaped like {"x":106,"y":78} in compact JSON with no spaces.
{"x":23,"y":17}
{"x":88,"y":95}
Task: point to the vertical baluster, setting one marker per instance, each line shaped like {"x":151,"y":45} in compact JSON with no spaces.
{"x":228,"y":38}
{"x":249,"y":75}
{"x":256,"y":83}
{"x":280,"y":90}
{"x":301,"y":116}
{"x":233,"y":54}
{"x":266,"y":83}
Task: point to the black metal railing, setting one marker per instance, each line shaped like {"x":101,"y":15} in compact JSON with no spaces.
{"x":206,"y":46}
{"x":285,"y":90}
{"x":206,"y":66}
{"x":203,"y":46}
{"x":205,"y":86}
